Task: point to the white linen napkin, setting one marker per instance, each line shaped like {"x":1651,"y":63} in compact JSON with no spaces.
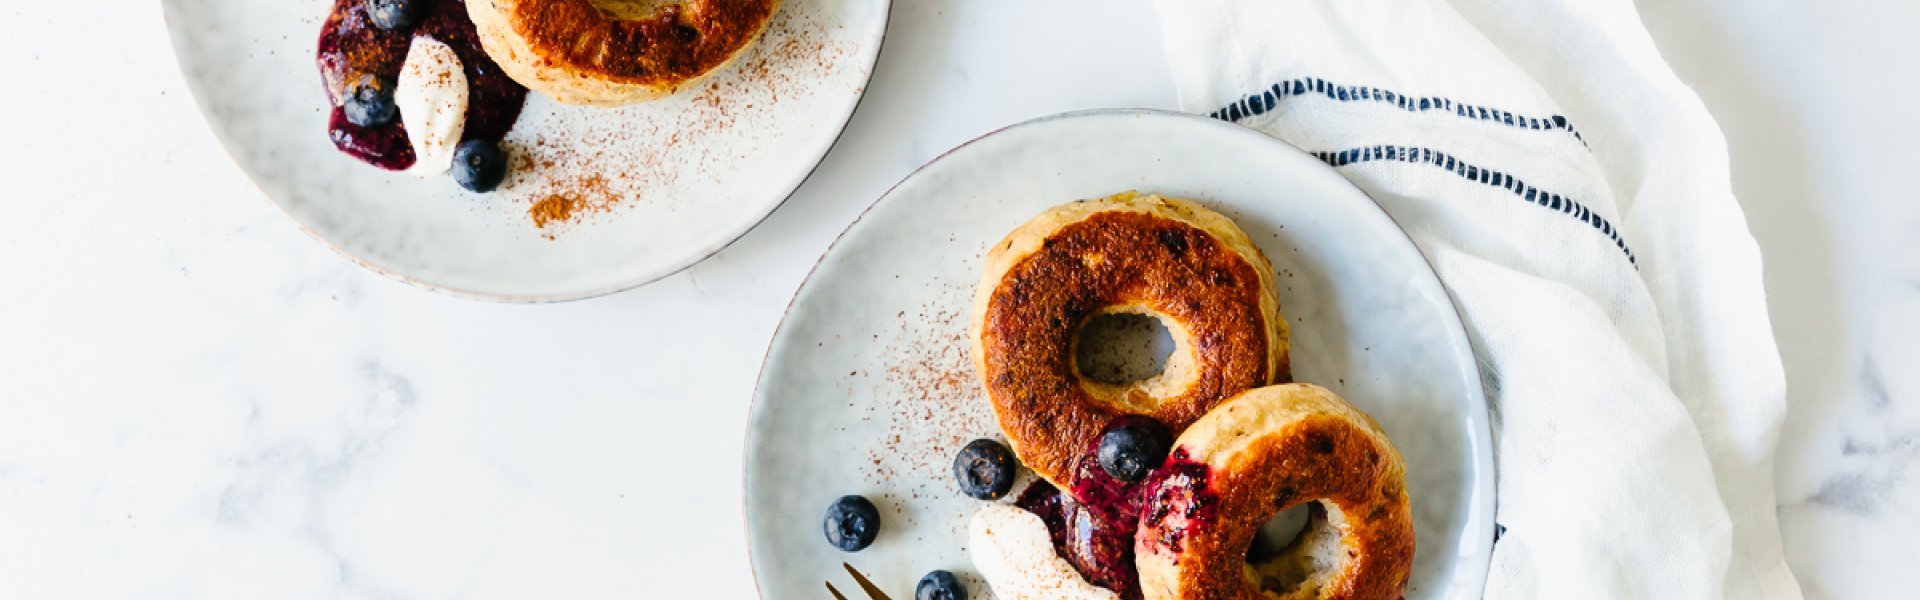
{"x":1574,"y":197}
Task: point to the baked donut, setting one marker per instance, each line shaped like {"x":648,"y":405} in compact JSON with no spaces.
{"x":611,"y":52}
{"x":1261,"y":452}
{"x":1172,"y":259}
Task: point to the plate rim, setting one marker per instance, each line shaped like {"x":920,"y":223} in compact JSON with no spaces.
{"x":168,"y":8}
{"x":1481,"y":412}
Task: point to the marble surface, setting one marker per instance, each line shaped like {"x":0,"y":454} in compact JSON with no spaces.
{"x":199,"y":401}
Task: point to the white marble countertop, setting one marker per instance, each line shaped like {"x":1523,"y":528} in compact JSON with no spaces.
{"x":199,"y":401}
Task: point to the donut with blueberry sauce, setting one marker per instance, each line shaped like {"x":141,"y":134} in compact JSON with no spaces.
{"x":1257,"y":454}
{"x":1093,"y":443}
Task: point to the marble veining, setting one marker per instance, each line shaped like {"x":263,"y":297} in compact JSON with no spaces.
{"x":1849,"y":490}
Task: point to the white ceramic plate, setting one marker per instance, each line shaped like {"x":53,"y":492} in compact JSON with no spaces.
{"x":868,"y":386}
{"x":678,"y":179}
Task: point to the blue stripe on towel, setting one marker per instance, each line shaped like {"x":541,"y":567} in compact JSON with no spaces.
{"x":1266,"y":100}
{"x":1521,"y":189}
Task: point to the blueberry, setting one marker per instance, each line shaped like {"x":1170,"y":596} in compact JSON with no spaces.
{"x":852,"y":523}
{"x":985,"y":469}
{"x":1132,"y":447}
{"x":940,"y":585}
{"x":479,"y":165}
{"x":370,"y":101}
{"x":395,"y":15}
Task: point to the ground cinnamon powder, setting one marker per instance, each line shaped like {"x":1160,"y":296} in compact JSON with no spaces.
{"x":571,"y":199}
{"x":582,"y":165}
{"x":554,"y":208}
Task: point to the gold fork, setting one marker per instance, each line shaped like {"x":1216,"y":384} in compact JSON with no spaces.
{"x":872,"y":590}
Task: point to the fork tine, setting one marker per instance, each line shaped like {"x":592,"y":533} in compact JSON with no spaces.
{"x":836,"y":593}
{"x":872,"y":590}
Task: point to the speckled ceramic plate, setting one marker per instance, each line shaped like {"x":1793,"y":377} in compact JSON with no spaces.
{"x":660,"y":185}
{"x":869,"y":389}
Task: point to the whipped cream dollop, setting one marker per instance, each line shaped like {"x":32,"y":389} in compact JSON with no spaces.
{"x":432,"y":96}
{"x":1012,"y":549}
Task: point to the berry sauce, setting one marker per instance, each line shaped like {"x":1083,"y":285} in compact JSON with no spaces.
{"x":1046,"y":501}
{"x":1094,"y":527}
{"x":351,"y":44}
{"x":1181,"y":501}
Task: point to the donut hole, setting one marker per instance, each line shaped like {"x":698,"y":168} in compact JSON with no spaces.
{"x":1122,"y":348}
{"x":1279,"y":532}
{"x":1299,"y":548}
{"x":1129,"y":358}
{"x":630,"y":10}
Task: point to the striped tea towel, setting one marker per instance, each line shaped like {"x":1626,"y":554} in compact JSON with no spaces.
{"x":1574,"y":197}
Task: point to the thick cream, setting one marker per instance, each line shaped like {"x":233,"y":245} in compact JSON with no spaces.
{"x":432,"y":96}
{"x":1012,"y":549}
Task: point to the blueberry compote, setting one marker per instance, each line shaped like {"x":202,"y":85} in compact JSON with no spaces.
{"x":350,"y":44}
{"x":1093,"y":527}
{"x":1182,"y":499}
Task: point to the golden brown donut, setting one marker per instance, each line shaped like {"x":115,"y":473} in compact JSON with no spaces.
{"x":1174,"y":259}
{"x":611,"y":52}
{"x":1259,"y":453}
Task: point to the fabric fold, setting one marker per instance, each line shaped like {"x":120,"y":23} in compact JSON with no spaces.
{"x":1574,"y":196}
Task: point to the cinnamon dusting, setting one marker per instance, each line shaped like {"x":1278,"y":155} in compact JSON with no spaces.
{"x":572,"y":165}
{"x":554,"y":208}
{"x":928,"y":397}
